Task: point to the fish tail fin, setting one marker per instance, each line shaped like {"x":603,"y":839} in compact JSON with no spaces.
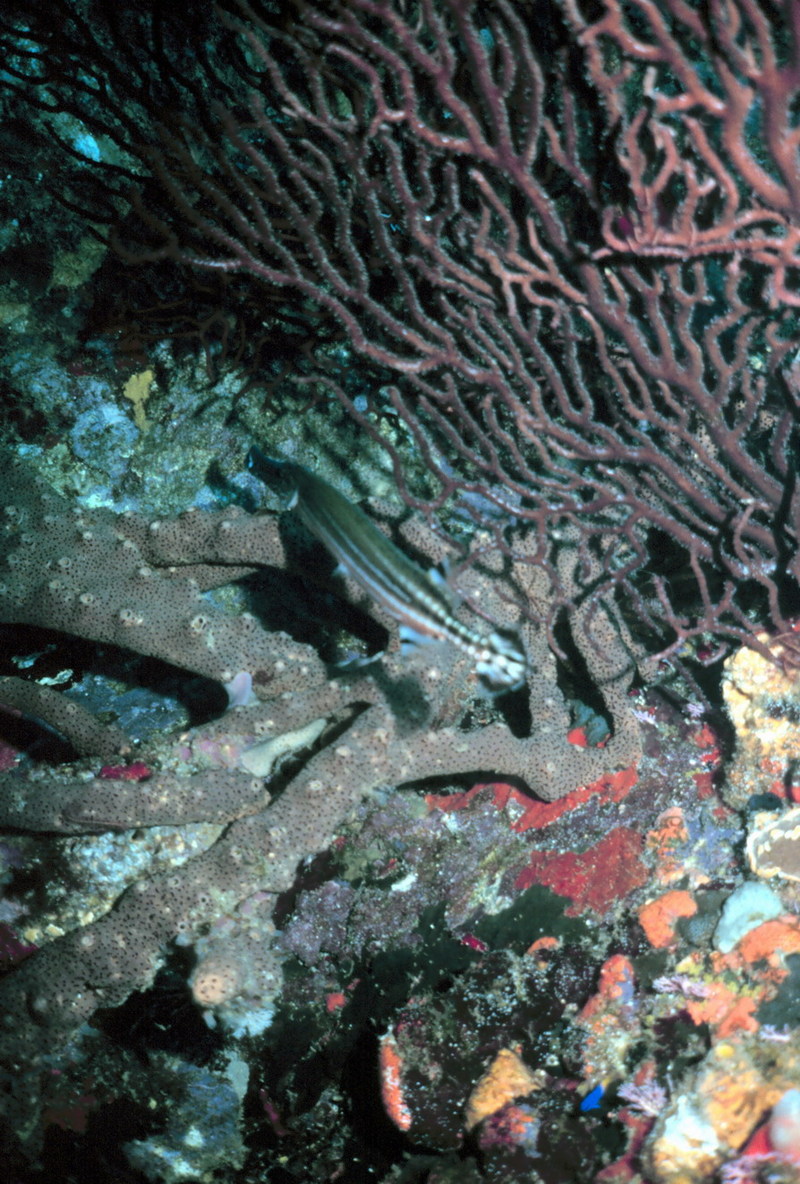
{"x":506,"y":669}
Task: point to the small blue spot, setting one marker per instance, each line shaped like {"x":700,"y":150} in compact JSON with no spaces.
{"x":592,"y":1100}
{"x":87,"y":146}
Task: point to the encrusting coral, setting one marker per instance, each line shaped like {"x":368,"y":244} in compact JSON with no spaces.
{"x":138,"y":584}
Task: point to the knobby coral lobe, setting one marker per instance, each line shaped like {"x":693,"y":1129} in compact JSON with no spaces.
{"x":400,"y":724}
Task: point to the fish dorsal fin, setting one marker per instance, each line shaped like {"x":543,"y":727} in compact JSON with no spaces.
{"x":442,"y":583}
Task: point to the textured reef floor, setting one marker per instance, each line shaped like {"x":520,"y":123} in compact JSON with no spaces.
{"x":461,"y":982}
{"x":476,"y":985}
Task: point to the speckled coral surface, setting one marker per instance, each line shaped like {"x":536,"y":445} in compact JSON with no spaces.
{"x":475,"y":918}
{"x":121,"y":580}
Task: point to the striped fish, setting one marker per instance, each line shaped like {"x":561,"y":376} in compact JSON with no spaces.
{"x":421,"y":601}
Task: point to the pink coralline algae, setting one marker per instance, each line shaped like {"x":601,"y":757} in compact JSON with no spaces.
{"x":595,"y":878}
{"x":611,"y":787}
{"x":392,"y":1092}
{"x":12,"y":950}
{"x":137,"y":771}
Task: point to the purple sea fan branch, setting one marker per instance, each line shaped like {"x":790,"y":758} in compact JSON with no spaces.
{"x":567,"y":250}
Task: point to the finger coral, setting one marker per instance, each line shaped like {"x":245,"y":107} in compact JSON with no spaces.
{"x":141,"y":585}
